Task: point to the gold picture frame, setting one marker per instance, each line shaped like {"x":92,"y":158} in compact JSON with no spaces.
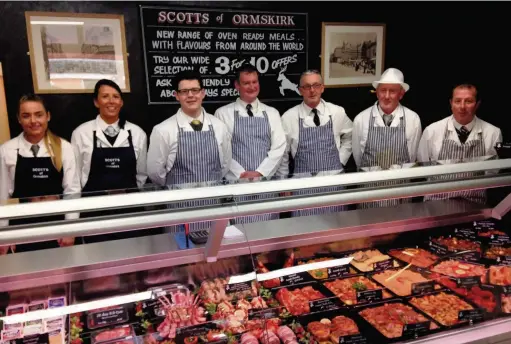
{"x":352,"y":54}
{"x":70,"y":52}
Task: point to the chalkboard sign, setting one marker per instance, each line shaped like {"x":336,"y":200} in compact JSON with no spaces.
{"x":215,"y":42}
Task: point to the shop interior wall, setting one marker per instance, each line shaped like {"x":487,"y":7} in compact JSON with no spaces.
{"x":435,"y":44}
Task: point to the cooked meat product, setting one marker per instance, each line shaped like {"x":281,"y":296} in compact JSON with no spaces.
{"x":402,"y":283}
{"x":415,"y":256}
{"x":442,"y":307}
{"x":346,"y":288}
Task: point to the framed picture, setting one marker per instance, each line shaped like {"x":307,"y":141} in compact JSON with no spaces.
{"x":70,"y":52}
{"x":352,"y":54}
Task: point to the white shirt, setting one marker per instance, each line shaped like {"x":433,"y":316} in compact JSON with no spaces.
{"x":164,"y":144}
{"x":413,"y":129}
{"x":433,"y":137}
{"x":271,"y":163}
{"x":82,"y":141}
{"x":8,"y":161}
{"x":342,"y":128}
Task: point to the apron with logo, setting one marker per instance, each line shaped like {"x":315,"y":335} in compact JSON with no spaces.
{"x":112,"y":168}
{"x":317,"y":152}
{"x":385,"y":146}
{"x":251,"y":141}
{"x":453,"y":150}
{"x":197,"y":161}
{"x":36,"y":177}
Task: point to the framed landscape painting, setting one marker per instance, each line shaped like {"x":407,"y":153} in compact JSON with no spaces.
{"x":352,"y":54}
{"x":70,"y":52}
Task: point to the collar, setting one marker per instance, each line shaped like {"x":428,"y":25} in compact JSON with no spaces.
{"x":183,"y":120}
{"x":472,"y":126}
{"x":25,"y":144}
{"x":320,"y":108}
{"x":243,"y":105}
{"x":398,"y":111}
{"x":469,"y":126}
{"x":103,"y":125}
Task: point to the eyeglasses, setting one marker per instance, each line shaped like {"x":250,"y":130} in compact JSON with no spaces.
{"x":310,"y":87}
{"x":185,"y":91}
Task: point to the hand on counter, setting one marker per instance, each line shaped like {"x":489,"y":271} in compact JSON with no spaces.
{"x":250,"y":174}
{"x":64,"y":242}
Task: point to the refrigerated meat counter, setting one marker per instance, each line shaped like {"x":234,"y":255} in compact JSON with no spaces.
{"x":435,"y":272}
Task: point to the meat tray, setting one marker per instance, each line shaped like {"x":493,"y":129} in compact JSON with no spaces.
{"x":371,"y":259}
{"x":416,"y":256}
{"x":391,"y":323}
{"x":357,"y":289}
{"x":406,"y":282}
{"x":334,"y":326}
{"x":443,"y":311}
{"x":306,"y":298}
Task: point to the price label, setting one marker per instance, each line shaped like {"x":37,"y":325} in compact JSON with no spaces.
{"x":486,"y":224}
{"x":263,"y":313}
{"x":293,"y":279}
{"x":369,"y":295}
{"x":238,"y":287}
{"x":465,"y":233}
{"x":34,"y":339}
{"x":471,"y":314}
{"x":414,"y":330}
{"x":338,"y":271}
{"x":504,"y":260}
{"x":468,"y":282}
{"x":195,"y":330}
{"x":383,"y":265}
{"x":438,"y":249}
{"x":107,"y":318}
{"x":324,"y":304}
{"x":499,"y":240}
{"x":468,"y":257}
{"x":353,"y":339}
{"x":423,"y":287}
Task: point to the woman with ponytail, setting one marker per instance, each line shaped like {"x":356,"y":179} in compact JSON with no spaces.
{"x":37,"y":166}
{"x":111,"y":153}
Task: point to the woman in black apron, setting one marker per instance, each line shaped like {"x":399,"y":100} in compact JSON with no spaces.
{"x":37,"y":166}
{"x":107,"y":151}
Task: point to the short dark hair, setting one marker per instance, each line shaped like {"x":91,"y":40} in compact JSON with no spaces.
{"x":187,"y":75}
{"x":106,"y":82}
{"x":466,"y":86}
{"x":246,"y":68}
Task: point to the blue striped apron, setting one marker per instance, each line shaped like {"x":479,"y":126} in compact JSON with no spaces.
{"x":452,"y":150}
{"x":385,"y":146}
{"x":251,"y":141}
{"x":317,"y":152}
{"x":197,"y":161}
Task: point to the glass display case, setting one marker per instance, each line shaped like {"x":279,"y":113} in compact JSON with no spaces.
{"x":419,"y":271}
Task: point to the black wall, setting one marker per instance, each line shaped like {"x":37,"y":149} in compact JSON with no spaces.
{"x":435,"y":44}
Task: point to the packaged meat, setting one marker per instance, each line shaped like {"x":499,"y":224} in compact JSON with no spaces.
{"x":415,"y":256}
{"x":443,"y":307}
{"x":366,"y":260}
{"x":390,"y":319}
{"x":12,"y":310}
{"x":112,"y":334}
{"x":457,"y":269}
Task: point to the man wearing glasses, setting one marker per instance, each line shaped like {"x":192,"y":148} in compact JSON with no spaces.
{"x":386,"y":135}
{"x":318,"y":137}
{"x":192,"y":146}
{"x":258,"y":140}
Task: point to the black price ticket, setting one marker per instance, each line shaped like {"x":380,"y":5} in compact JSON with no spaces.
{"x":338,"y":271}
{"x":369,"y":295}
{"x":353,"y":339}
{"x":324,"y":304}
{"x":423,"y":287}
{"x":383,"y":265}
{"x":468,"y":282}
{"x":471,"y":314}
{"x":416,"y":329}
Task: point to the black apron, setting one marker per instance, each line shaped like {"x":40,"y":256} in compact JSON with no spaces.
{"x":112,"y":168}
{"x":36,"y":177}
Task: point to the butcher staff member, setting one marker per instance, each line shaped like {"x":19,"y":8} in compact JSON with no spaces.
{"x":258,"y":140}
{"x":110,"y":152}
{"x":318,"y":137}
{"x":460,"y":137}
{"x":386,"y":135}
{"x":37,"y":166}
{"x":190,"y":147}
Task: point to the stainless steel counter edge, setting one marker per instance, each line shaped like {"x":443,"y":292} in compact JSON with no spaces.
{"x":31,"y":269}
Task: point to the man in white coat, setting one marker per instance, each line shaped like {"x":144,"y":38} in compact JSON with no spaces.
{"x":386,"y":135}
{"x":318,"y":137}
{"x":258,"y":140}
{"x":460,"y":137}
{"x":190,"y":148}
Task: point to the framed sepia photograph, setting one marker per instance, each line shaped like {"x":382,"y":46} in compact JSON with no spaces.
{"x":70,"y":52}
{"x":352,"y":54}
